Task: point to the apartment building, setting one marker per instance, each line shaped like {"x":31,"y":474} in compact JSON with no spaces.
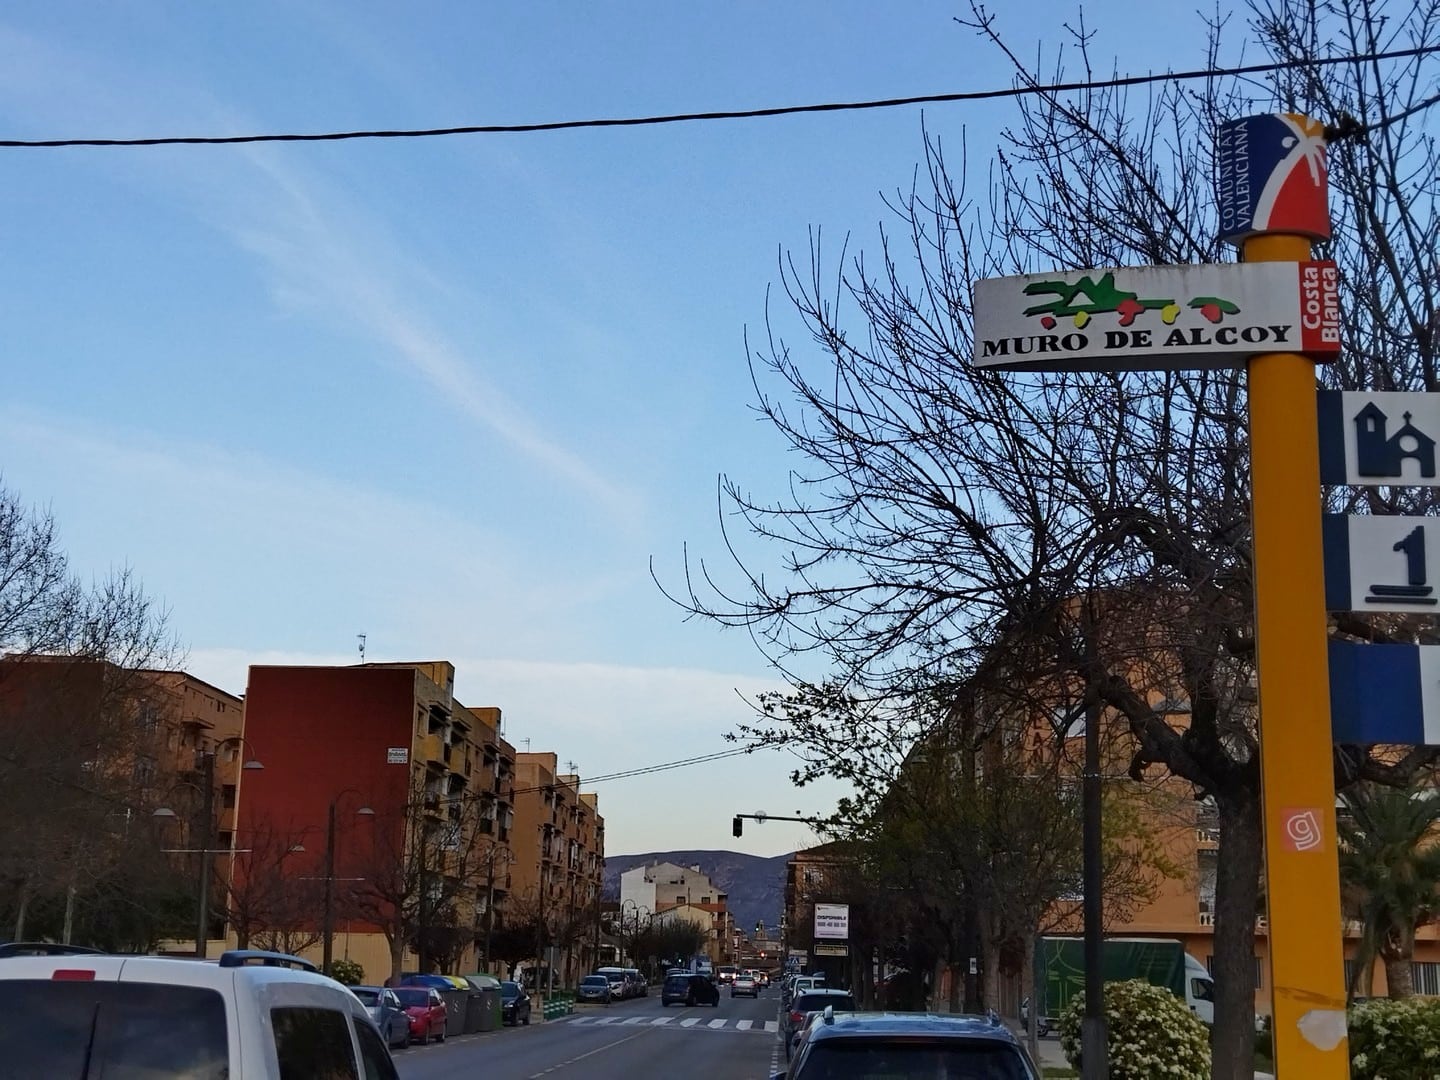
{"x":649,"y":887}
{"x":412,"y":792}
{"x":722,"y":939}
{"x":144,"y":742}
{"x":559,"y":869}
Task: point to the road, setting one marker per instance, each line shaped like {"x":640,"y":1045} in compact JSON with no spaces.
{"x":636,"y":1039}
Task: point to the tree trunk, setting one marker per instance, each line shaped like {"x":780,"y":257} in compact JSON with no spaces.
{"x":397,"y":958}
{"x":1398,"y":949}
{"x":957,"y":986}
{"x":991,"y":989}
{"x":23,"y":909}
{"x":1237,"y":894}
{"x":1027,"y":992}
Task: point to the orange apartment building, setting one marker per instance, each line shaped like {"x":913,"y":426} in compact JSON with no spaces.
{"x":398,"y":758}
{"x":560,"y":860}
{"x":144,"y":736}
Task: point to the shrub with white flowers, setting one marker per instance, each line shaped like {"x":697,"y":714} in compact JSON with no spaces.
{"x":1396,"y":1040}
{"x":1151,"y":1033}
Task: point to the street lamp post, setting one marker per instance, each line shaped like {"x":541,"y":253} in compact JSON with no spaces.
{"x":206,"y":790}
{"x":327,"y":929}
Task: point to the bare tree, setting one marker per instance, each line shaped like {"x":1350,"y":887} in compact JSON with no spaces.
{"x":938,"y":513}
{"x":420,"y":876}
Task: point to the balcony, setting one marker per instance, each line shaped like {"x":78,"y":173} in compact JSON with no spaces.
{"x":456,"y":761}
{"x":1207,"y":839}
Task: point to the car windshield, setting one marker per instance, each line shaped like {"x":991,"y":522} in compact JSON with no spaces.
{"x":509,"y":990}
{"x":595,"y":980}
{"x":366,"y":994}
{"x":677,"y":982}
{"x":125,"y":1031}
{"x":412,"y":997}
{"x":909,"y":1059}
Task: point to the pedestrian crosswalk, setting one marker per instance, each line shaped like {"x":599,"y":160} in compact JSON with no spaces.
{"x":675,"y":1021}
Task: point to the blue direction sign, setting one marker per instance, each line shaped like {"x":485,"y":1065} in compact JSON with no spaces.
{"x":1381,"y":563}
{"x":1378,"y":438}
{"x":1385,"y":693}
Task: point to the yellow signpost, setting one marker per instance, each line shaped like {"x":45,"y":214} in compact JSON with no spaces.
{"x":1297,"y":773}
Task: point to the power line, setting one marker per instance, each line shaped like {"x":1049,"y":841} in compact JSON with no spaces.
{"x":1031,"y":90}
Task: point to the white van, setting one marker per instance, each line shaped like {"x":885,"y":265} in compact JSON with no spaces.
{"x":1199,"y":990}
{"x":75,"y":1014}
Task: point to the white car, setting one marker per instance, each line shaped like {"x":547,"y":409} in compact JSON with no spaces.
{"x":251,"y":1015}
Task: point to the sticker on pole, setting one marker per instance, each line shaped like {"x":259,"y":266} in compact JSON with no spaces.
{"x":1272,"y":177}
{"x":1160,"y":317}
{"x":1302,"y":829}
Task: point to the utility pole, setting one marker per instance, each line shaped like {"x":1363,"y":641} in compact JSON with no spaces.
{"x":490,"y":904}
{"x":207,"y":794}
{"x":1094,"y":1051}
{"x":327,"y":931}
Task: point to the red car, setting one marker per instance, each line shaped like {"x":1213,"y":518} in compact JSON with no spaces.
{"x":427,"y":1012}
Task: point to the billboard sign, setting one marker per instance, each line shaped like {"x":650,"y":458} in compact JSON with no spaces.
{"x":1271,"y":177}
{"x":832,"y":922}
{"x":1157,"y":317}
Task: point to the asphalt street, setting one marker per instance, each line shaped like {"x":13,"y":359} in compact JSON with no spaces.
{"x":636,"y":1039}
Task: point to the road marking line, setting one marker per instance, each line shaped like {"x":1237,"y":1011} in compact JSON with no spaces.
{"x":606,"y":1019}
{"x":716,"y":1024}
{"x":744,"y":1025}
{"x":659,"y":1020}
{"x":772,"y":1025}
{"x":633,"y":1020}
{"x":690,"y":1022}
{"x":582,"y":1057}
{"x":582,"y":1019}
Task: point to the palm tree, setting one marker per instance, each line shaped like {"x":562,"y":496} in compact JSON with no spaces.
{"x":1390,"y":875}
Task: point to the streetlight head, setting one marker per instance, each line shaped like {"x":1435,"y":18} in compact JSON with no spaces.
{"x":364,"y":811}
{"x":252,"y":766}
{"x":297,"y":849}
{"x":163,"y":812}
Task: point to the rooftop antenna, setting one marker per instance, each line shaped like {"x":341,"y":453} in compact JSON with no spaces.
{"x":571,"y":767}
{"x":362,"y":647}
{"x":527,"y":745}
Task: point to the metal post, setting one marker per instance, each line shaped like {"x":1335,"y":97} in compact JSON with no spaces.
{"x":1094,"y":1052}
{"x":207,"y":795}
{"x":490,"y":906}
{"x":1296,"y":766}
{"x":327,"y":930}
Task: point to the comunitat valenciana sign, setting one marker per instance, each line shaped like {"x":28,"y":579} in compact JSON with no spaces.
{"x":832,"y":921}
{"x":1168,"y":317}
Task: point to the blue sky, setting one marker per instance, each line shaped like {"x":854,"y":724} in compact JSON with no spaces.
{"x":454,"y":393}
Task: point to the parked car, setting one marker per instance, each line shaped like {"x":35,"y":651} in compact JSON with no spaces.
{"x":391,"y":1019}
{"x":639,"y":984}
{"x":514,"y":1004}
{"x":427,"y":1012}
{"x":594,"y":988}
{"x":909,"y":1046}
{"x":811,"y":1000}
{"x":689,"y":990}
{"x":744,"y":986}
{"x":619,"y":982}
{"x":259,"y":1015}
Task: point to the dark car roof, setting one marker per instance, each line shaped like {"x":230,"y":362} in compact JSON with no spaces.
{"x":927,"y":1025}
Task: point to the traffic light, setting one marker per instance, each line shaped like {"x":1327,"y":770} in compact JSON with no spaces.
{"x":737,"y":826}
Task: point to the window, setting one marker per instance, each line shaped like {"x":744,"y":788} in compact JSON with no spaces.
{"x":1259,"y":969}
{"x":1426,"y":975}
{"x":1202,"y":989}
{"x":313,"y":1044}
{"x":227,"y":796}
{"x":130,"y":1031}
{"x":373,"y":1056}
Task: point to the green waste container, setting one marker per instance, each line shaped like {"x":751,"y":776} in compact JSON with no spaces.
{"x":489,"y":1007}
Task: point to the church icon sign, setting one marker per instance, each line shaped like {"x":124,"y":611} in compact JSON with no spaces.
{"x":1382,"y":457}
{"x":1378,"y":438}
